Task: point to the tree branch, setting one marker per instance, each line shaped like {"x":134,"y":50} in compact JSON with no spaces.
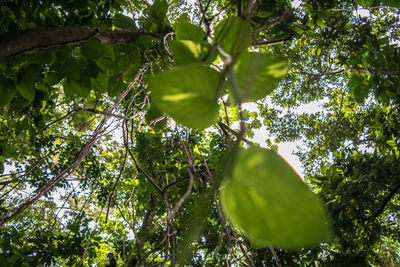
{"x":26,"y":41}
{"x":273,"y":42}
{"x":275,"y":21}
{"x":385,"y":202}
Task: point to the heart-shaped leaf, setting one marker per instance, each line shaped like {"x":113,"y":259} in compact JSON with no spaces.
{"x":187,"y":94}
{"x":266,"y":198}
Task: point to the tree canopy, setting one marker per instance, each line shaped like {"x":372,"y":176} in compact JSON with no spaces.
{"x":126,"y":134}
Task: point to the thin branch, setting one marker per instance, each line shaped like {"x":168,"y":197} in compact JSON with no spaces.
{"x":139,"y":169}
{"x":275,"y":21}
{"x":183,"y":198}
{"x":273,"y":42}
{"x":385,"y":202}
{"x":102,"y":112}
{"x":227,"y":128}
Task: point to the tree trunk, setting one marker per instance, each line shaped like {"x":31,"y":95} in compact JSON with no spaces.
{"x":15,"y":43}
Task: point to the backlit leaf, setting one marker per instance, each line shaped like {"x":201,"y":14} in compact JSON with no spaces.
{"x":233,"y":35}
{"x":186,"y":52}
{"x":259,"y":74}
{"x":185,"y":30}
{"x":187,"y":94}
{"x":267,"y":199}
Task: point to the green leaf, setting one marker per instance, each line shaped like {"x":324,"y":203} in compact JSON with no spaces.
{"x":124,"y":22}
{"x":26,"y":84}
{"x":392,"y":3}
{"x":186,"y":52}
{"x":185,"y":30}
{"x":92,"y":69}
{"x":7,"y":91}
{"x":158,"y":10}
{"x":187,"y":94}
{"x":267,"y":199}
{"x":146,"y":41}
{"x":72,"y":68}
{"x":115,"y":85}
{"x":80,"y":87}
{"x":258,"y":74}
{"x":233,"y":35}
{"x":92,"y":49}
{"x":53,"y":77}
{"x":100,"y":84}
{"x":359,"y":86}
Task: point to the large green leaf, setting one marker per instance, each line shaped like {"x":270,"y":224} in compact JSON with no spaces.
{"x":7,"y":91}
{"x":100,"y":84}
{"x":187,"y":94}
{"x":92,"y":49}
{"x":185,"y":30}
{"x":158,"y":10}
{"x":266,"y":198}
{"x":26,"y":80}
{"x":124,"y":22}
{"x":80,"y":87}
{"x":233,"y":35}
{"x":259,"y":74}
{"x":186,"y":52}
{"x":72,"y":68}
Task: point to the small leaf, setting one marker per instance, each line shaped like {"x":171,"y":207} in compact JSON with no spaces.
{"x":259,"y":74}
{"x":187,"y":94}
{"x":124,"y":22}
{"x":185,"y":30}
{"x":92,"y":49}
{"x":186,"y":52}
{"x":267,"y":199}
{"x":233,"y":35}
{"x":391,"y":143}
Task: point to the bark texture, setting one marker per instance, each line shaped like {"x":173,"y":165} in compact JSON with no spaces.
{"x":15,"y":43}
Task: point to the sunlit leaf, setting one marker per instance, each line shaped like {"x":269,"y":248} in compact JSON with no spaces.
{"x":186,"y":52}
{"x":187,"y":94}
{"x":233,"y":35}
{"x":259,"y":74}
{"x":267,"y":199}
{"x":185,"y":30}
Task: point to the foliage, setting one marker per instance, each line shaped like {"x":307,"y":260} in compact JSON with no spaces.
{"x":124,"y":130}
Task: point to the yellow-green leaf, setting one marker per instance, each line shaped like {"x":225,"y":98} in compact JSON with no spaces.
{"x":259,"y":74}
{"x":187,"y":94}
{"x":266,"y":198}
